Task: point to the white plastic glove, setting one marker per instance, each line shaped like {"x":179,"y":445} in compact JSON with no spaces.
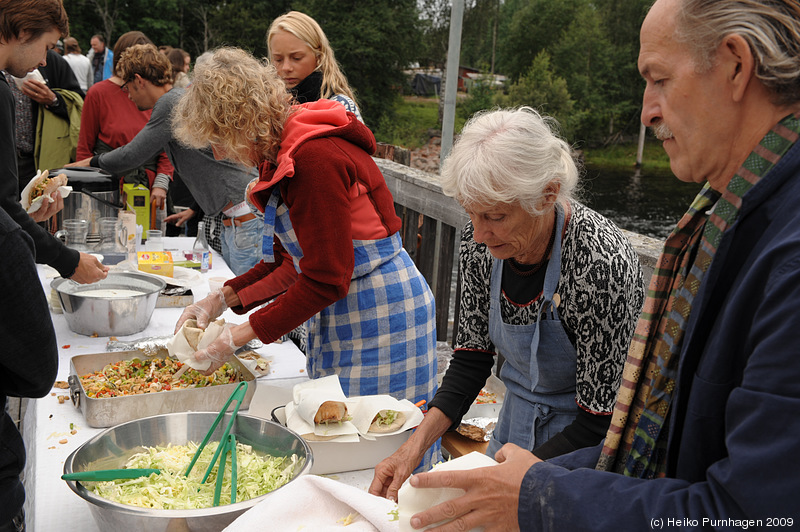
{"x":218,"y":351}
{"x":204,"y":311}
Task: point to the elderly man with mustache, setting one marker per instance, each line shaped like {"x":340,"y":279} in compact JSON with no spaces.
{"x":704,"y":433}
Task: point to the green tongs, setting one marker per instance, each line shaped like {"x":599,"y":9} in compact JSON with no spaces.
{"x":227,"y":443}
{"x":109,"y":474}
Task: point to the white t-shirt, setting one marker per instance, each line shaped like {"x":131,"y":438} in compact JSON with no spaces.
{"x":82,"y":67}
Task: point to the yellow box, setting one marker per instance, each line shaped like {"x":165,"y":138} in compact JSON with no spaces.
{"x":137,"y":199}
{"x":157,"y":262}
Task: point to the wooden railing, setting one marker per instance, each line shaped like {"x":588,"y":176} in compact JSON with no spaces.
{"x":432,"y":224}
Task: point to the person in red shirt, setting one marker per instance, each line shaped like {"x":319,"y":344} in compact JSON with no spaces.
{"x":110,"y":120}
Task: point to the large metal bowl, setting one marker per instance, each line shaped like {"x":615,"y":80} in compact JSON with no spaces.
{"x":109,"y":315}
{"x":112,"y":448}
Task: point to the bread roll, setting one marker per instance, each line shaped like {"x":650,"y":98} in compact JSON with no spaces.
{"x":331,"y":412}
{"x":47,"y":185}
{"x":192,"y":332}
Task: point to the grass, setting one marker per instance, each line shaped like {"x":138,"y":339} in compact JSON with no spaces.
{"x":415,"y":116}
{"x":624,"y":156}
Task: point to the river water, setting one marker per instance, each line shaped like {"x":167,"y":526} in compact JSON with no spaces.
{"x":649,"y":203}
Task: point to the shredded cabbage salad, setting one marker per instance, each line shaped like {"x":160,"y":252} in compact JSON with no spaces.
{"x":257,"y":474}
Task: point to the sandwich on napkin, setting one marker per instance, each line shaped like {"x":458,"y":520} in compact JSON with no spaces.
{"x":321,"y":406}
{"x":41,"y":188}
{"x":190,"y":338}
{"x":387,"y":421}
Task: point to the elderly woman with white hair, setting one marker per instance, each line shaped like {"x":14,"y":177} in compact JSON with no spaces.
{"x":545,"y":281}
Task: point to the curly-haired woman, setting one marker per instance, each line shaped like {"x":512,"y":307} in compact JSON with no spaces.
{"x":333,"y":257}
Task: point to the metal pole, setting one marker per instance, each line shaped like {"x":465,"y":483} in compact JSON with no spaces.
{"x":451,"y":78}
{"x":640,"y":151}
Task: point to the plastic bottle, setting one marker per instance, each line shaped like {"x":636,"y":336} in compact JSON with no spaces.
{"x":201,"y":252}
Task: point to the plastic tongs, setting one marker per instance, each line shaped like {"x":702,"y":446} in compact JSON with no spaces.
{"x":109,"y":474}
{"x":230,"y":446}
{"x":227,"y":443}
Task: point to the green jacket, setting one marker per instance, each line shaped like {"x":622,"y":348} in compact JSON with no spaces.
{"x":56,"y":138}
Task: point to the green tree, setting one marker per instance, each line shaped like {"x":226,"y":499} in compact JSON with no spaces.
{"x":434,"y":23}
{"x":482,"y":95}
{"x":583,"y":57}
{"x":622,"y":19}
{"x":530,"y":28}
{"x":545,"y":91}
{"x":244,"y":23}
{"x":478,"y":33}
{"x":592,"y":45}
{"x":374,"y":42}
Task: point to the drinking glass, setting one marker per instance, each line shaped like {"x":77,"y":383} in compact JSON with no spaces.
{"x":155,"y":241}
{"x":74,"y":233}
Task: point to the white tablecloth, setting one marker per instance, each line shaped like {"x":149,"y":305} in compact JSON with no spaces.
{"x":50,"y":505}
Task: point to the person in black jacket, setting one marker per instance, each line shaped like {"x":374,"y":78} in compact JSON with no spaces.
{"x":28,"y":28}
{"x":28,"y":360}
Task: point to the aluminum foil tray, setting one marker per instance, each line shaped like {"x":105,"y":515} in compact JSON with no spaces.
{"x":110,"y":411}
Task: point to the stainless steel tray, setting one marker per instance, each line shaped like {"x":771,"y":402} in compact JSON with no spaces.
{"x":110,"y":411}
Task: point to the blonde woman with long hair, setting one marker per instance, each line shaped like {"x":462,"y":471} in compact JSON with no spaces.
{"x":305,"y":61}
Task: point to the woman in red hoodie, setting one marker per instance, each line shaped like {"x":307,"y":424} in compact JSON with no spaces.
{"x":333,"y":257}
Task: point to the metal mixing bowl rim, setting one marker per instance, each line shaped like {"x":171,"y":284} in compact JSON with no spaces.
{"x":106,"y":504}
{"x":161,"y":284}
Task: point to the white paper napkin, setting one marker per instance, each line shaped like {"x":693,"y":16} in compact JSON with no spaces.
{"x":25,"y":196}
{"x":365,"y":407}
{"x":309,"y":396}
{"x":319,"y":504}
{"x":344,"y":432}
{"x":180,"y":348}
{"x":411,"y":500}
{"x":33,"y":74}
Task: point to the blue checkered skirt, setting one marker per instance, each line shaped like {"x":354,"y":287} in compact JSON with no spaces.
{"x":381,"y":337}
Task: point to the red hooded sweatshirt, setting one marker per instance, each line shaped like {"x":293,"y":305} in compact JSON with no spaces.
{"x":335,"y":194}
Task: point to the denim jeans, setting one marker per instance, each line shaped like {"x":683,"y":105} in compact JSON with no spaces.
{"x":241,"y":245}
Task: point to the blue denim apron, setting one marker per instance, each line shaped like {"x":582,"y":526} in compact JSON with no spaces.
{"x":540,"y":366}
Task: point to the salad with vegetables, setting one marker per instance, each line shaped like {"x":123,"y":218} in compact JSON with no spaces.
{"x":133,"y":377}
{"x":257,"y":474}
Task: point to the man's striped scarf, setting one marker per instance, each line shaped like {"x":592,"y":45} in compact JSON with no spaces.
{"x":636,"y":442}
